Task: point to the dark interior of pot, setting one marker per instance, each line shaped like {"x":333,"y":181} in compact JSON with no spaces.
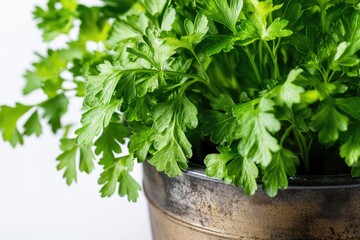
{"x":299,"y":181}
{"x":323,"y":160}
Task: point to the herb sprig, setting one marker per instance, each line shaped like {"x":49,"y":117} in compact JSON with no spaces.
{"x":268,"y":83}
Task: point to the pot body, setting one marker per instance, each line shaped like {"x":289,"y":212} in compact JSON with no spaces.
{"x":194,"y":207}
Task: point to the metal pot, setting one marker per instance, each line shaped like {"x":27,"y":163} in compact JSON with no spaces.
{"x":195,"y":207}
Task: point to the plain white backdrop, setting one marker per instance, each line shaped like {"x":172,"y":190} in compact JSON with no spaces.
{"x":35,"y":202}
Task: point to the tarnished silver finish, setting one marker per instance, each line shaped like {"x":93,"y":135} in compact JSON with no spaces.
{"x":194,"y":207}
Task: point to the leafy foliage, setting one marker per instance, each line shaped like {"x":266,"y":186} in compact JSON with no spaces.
{"x":243,"y":172}
{"x":283,"y":164}
{"x":266,"y":82}
{"x":329,"y":122}
{"x":56,"y":21}
{"x":173,"y":148}
{"x":350,"y":148}
{"x":216,"y":164}
{"x":290,"y":93}
{"x":33,"y":125}
{"x":224,"y":12}
{"x":67,"y":160}
{"x":54,"y":109}
{"x":94,"y":121}
{"x":119,"y":172}
{"x":9,"y":117}
{"x":256,"y":125}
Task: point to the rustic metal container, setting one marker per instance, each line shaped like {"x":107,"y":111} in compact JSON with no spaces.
{"x":195,"y":207}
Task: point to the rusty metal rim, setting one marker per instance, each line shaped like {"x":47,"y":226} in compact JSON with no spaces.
{"x":297,"y":182}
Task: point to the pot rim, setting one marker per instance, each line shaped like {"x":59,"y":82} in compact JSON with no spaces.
{"x":296,"y":182}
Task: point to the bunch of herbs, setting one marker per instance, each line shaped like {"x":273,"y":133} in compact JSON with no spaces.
{"x":254,"y":90}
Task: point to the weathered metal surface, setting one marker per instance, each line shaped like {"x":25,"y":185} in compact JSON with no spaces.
{"x":193,"y":207}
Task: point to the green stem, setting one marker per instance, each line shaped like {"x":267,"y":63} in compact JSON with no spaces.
{"x":152,"y":71}
{"x":184,"y":86}
{"x":212,"y":87}
{"x":274,"y":58}
{"x":253,"y":64}
{"x":304,"y":151}
{"x":261,"y":57}
{"x":286,"y":134}
{"x":201,"y":65}
{"x":277,"y":45}
{"x":325,"y":75}
{"x":323,"y":19}
{"x":179,"y":74}
{"x":331,"y":76}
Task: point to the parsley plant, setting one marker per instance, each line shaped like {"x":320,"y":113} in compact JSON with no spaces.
{"x":254,"y":90}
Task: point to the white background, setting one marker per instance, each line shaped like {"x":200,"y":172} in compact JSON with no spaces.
{"x":35,"y":202}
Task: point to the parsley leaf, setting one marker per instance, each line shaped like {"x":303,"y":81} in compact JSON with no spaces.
{"x":54,"y":109}
{"x":116,"y":170}
{"x":139,"y":109}
{"x":283,"y":163}
{"x":220,"y":126}
{"x":33,"y":125}
{"x":168,"y":19}
{"x":223,"y":12}
{"x":179,"y":110}
{"x":54,"y":21}
{"x":140,"y":142}
{"x":195,"y":31}
{"x":119,"y":173}
{"x":94,"y":121}
{"x":350,"y":149}
{"x":100,"y":88}
{"x":154,"y":50}
{"x":262,"y":9}
{"x":47,"y":73}
{"x":276,"y":30}
{"x":9,"y":117}
{"x":329,"y":122}
{"x":33,"y":82}
{"x":68,"y":158}
{"x":172,"y":154}
{"x":243,"y":172}
{"x":247,"y":33}
{"x":93,"y":26}
{"x":154,"y":6}
{"x":289,"y":93}
{"x":220,"y":122}
{"x":128,"y":31}
{"x":173,"y":148}
{"x":216,"y":164}
{"x":109,"y":142}
{"x":350,"y":106}
{"x":256,"y":122}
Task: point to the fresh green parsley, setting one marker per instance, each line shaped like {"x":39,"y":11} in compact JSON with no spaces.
{"x":269,"y":83}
